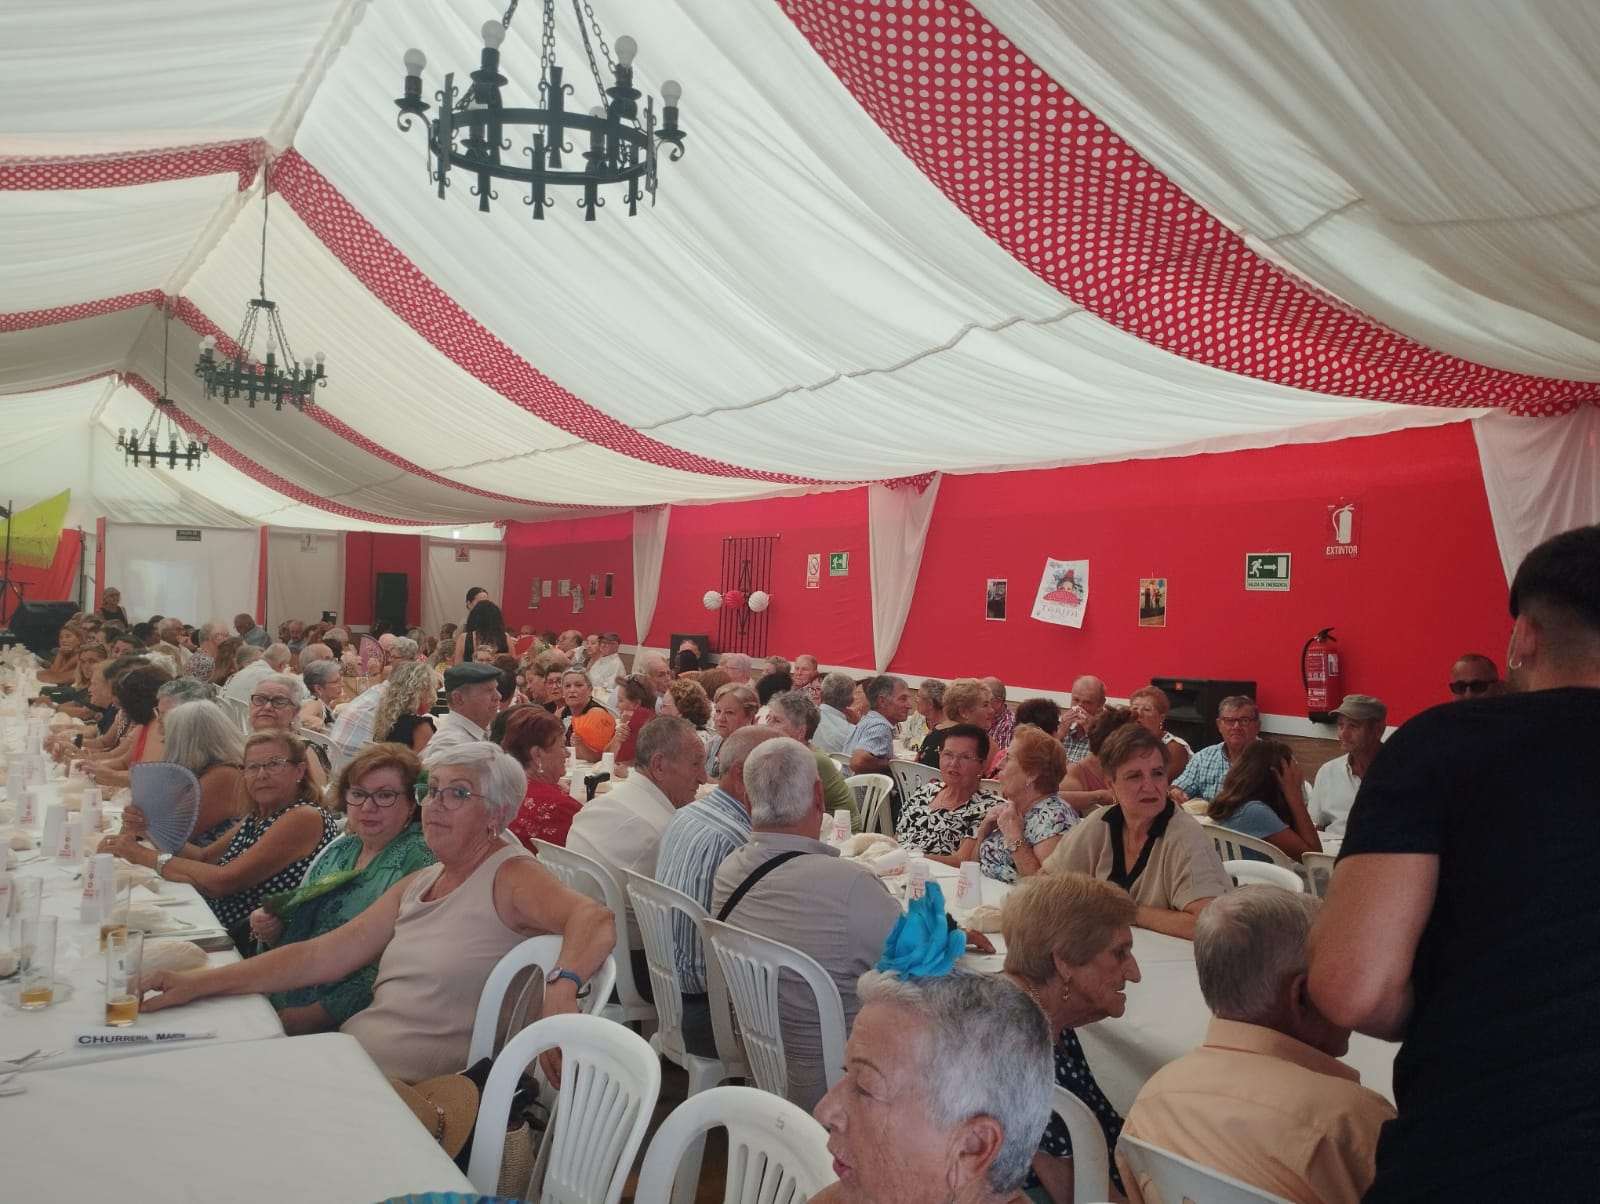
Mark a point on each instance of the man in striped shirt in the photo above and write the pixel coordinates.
(693, 847)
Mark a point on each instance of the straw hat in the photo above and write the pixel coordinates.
(446, 1105)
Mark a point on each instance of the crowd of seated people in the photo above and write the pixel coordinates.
(453, 753)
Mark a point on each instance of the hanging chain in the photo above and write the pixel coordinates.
(505, 21)
(266, 202)
(547, 51)
(594, 67)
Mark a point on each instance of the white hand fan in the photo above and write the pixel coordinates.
(169, 796)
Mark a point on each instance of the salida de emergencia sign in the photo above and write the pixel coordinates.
(1267, 571)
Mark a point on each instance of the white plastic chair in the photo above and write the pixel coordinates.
(1259, 873)
(589, 877)
(777, 1154)
(842, 760)
(1319, 869)
(543, 952)
(659, 909)
(910, 776)
(872, 799)
(1179, 1180)
(610, 1079)
(1231, 846)
(240, 711)
(750, 966)
(1091, 1162)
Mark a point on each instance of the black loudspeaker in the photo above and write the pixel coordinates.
(1194, 705)
(37, 624)
(390, 599)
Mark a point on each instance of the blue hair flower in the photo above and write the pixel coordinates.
(924, 943)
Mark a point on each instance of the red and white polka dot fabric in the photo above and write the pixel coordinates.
(24, 174)
(34, 318)
(1078, 207)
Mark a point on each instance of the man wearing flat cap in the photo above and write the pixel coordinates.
(1361, 720)
(474, 693)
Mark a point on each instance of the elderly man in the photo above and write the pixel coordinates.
(1004, 720)
(697, 841)
(786, 884)
(806, 678)
(296, 636)
(658, 672)
(1088, 700)
(1475, 676)
(315, 652)
(1361, 720)
(170, 631)
(250, 631)
(833, 725)
(737, 666)
(473, 691)
(253, 666)
(605, 668)
(207, 637)
(568, 643)
(1239, 722)
(871, 745)
(796, 716)
(1264, 1099)
(1460, 917)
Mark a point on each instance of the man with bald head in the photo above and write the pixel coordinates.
(807, 678)
(1475, 676)
(659, 674)
(1088, 700)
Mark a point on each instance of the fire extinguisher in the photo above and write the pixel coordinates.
(1319, 673)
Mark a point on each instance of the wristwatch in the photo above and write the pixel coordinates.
(161, 864)
(558, 974)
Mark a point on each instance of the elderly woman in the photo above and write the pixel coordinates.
(1070, 947)
(206, 741)
(1145, 843)
(539, 674)
(535, 738)
(111, 608)
(381, 845)
(1150, 705)
(437, 933)
(274, 707)
(1014, 839)
(687, 700)
(636, 699)
(136, 691)
(733, 707)
(402, 714)
(966, 701)
(326, 688)
(280, 828)
(927, 712)
(942, 817)
(946, 1089)
(63, 666)
(1264, 795)
(1085, 786)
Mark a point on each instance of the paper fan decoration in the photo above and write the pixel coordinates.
(733, 599)
(711, 600)
(760, 600)
(169, 796)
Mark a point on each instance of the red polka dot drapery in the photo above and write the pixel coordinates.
(34, 318)
(121, 170)
(1082, 210)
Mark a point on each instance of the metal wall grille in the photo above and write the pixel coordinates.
(746, 567)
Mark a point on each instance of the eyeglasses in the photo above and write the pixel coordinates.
(1462, 688)
(451, 798)
(1238, 720)
(276, 765)
(270, 700)
(958, 758)
(355, 797)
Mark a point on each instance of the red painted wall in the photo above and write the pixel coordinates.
(368, 553)
(832, 622)
(574, 549)
(1426, 586)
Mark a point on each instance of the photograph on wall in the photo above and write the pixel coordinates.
(610, 583)
(577, 601)
(1063, 593)
(1152, 601)
(594, 585)
(564, 586)
(547, 587)
(533, 595)
(994, 598)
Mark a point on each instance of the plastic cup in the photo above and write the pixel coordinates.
(969, 886)
(38, 954)
(917, 877)
(124, 952)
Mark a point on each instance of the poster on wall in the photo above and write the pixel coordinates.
(564, 586)
(1063, 593)
(547, 587)
(533, 595)
(594, 585)
(1152, 601)
(463, 555)
(610, 583)
(994, 598)
(577, 601)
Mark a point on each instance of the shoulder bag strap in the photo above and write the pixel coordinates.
(760, 872)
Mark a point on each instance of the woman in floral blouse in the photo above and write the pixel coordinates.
(944, 815)
(1016, 837)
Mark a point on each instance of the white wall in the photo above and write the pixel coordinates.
(305, 574)
(446, 580)
(215, 578)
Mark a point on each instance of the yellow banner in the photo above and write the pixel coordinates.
(36, 531)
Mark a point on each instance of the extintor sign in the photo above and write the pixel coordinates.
(1343, 532)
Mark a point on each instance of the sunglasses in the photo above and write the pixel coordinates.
(1462, 688)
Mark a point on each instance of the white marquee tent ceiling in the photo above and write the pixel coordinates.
(907, 237)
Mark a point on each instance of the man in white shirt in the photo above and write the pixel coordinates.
(474, 693)
(604, 669)
(1361, 719)
(274, 660)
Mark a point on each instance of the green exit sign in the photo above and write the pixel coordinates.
(1267, 571)
(838, 564)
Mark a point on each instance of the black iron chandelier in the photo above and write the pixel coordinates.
(161, 440)
(277, 379)
(622, 144)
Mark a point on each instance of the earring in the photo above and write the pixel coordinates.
(1066, 990)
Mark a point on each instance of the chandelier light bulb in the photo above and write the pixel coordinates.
(415, 61)
(209, 343)
(494, 33)
(671, 90)
(320, 358)
(626, 49)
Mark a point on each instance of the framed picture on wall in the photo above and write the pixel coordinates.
(577, 601)
(547, 587)
(1152, 601)
(533, 595)
(994, 598)
(564, 586)
(610, 581)
(594, 585)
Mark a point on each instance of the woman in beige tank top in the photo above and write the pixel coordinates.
(433, 933)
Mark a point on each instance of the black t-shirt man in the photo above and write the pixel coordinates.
(1498, 1077)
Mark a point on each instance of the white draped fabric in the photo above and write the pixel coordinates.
(446, 579)
(305, 574)
(649, 551)
(1561, 456)
(897, 528)
(214, 577)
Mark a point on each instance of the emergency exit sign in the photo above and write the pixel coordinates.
(1267, 571)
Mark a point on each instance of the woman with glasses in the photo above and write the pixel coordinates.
(382, 843)
(945, 814)
(274, 703)
(436, 934)
(280, 829)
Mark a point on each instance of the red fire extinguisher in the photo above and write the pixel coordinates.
(1319, 673)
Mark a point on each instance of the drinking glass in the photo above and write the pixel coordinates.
(116, 921)
(124, 953)
(38, 954)
(28, 897)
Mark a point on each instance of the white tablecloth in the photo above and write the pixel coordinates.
(304, 1118)
(80, 964)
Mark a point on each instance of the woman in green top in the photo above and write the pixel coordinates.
(381, 845)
